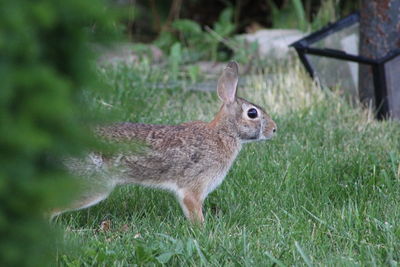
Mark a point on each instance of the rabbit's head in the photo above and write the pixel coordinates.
(250, 121)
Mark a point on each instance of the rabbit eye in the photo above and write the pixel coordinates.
(252, 113)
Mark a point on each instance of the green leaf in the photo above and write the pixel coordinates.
(188, 27)
(175, 59)
(165, 257)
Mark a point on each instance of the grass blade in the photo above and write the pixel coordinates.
(275, 260)
(303, 254)
(201, 255)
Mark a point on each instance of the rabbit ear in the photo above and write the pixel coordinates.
(227, 83)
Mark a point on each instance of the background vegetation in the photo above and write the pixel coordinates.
(205, 28)
(146, 19)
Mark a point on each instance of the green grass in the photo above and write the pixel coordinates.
(325, 191)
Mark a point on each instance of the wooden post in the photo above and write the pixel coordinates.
(379, 34)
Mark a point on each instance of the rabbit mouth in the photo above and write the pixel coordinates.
(263, 137)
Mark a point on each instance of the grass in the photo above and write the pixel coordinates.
(325, 191)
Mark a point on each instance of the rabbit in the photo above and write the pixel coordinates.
(190, 160)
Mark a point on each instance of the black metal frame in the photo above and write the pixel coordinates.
(302, 47)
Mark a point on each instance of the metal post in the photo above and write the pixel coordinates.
(379, 34)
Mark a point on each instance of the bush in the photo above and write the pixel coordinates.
(44, 65)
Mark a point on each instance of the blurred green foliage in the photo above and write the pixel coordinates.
(293, 14)
(44, 65)
(198, 43)
(145, 20)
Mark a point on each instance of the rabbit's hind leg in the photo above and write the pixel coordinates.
(192, 206)
(86, 200)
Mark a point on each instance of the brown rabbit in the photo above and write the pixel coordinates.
(190, 159)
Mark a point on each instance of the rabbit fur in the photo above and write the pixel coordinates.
(190, 159)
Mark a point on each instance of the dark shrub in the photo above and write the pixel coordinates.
(44, 65)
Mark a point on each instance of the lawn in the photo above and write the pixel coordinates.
(324, 191)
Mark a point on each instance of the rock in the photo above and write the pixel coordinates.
(127, 53)
(273, 43)
(156, 54)
(117, 53)
(211, 67)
